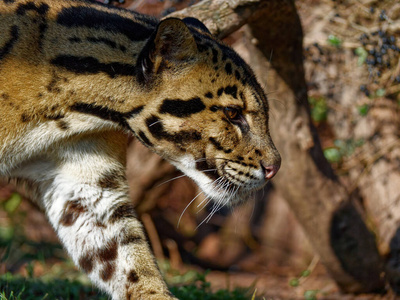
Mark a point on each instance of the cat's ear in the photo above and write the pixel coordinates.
(171, 47)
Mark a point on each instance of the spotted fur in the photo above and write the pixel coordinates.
(76, 78)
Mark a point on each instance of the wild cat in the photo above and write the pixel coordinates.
(78, 77)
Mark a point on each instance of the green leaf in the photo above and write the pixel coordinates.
(333, 155)
(362, 55)
(363, 109)
(334, 40)
(305, 273)
(6, 233)
(310, 295)
(380, 92)
(12, 203)
(294, 282)
(319, 108)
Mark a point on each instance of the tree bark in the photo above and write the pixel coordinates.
(377, 176)
(328, 214)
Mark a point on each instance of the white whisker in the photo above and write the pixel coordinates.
(209, 170)
(206, 219)
(187, 206)
(155, 123)
(169, 180)
(206, 201)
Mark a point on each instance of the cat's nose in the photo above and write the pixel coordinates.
(269, 170)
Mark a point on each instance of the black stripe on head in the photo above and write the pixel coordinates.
(42, 29)
(41, 10)
(214, 56)
(90, 65)
(105, 41)
(106, 113)
(108, 42)
(75, 40)
(92, 18)
(228, 68)
(218, 145)
(10, 43)
(182, 108)
(156, 128)
(102, 112)
(133, 112)
(184, 136)
(231, 90)
(23, 8)
(145, 140)
(209, 95)
(215, 108)
(237, 75)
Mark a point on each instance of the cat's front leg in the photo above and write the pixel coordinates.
(87, 203)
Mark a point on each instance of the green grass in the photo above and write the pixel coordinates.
(200, 289)
(15, 287)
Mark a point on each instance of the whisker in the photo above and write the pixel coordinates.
(208, 217)
(203, 204)
(187, 206)
(220, 182)
(169, 180)
(220, 178)
(225, 191)
(213, 158)
(221, 203)
(216, 208)
(200, 159)
(155, 123)
(207, 200)
(209, 170)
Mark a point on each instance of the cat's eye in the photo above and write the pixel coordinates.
(233, 113)
(235, 116)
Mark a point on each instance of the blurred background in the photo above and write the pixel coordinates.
(351, 52)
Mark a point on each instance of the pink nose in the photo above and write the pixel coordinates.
(269, 170)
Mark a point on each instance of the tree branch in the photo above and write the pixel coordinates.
(224, 17)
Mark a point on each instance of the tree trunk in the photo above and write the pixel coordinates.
(327, 212)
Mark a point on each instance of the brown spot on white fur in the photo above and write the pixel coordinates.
(72, 210)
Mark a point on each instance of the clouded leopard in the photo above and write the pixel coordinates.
(76, 78)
